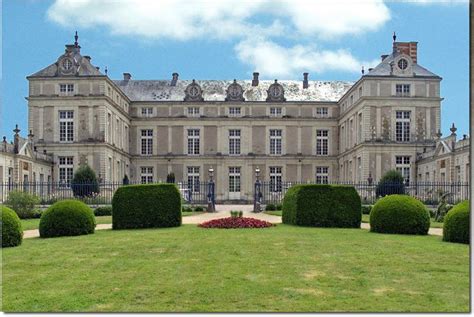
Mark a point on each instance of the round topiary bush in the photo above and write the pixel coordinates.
(67, 218)
(12, 233)
(456, 223)
(399, 214)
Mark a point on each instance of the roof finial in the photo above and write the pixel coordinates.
(453, 129)
(76, 37)
(106, 70)
(362, 70)
(394, 36)
(16, 130)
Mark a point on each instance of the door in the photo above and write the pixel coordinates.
(234, 183)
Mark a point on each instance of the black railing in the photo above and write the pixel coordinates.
(94, 194)
(429, 193)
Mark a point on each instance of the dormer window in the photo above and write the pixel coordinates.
(402, 63)
(67, 64)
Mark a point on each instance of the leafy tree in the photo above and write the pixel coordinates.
(84, 183)
(390, 184)
(23, 203)
(170, 178)
(125, 180)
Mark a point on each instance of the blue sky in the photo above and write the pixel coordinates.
(218, 40)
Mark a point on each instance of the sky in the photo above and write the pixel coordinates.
(224, 39)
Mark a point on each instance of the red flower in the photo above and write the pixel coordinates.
(236, 222)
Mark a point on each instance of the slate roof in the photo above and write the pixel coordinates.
(383, 69)
(215, 90)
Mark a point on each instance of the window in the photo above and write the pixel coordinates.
(193, 141)
(66, 126)
(402, 126)
(193, 179)
(458, 173)
(193, 111)
(402, 90)
(322, 175)
(402, 63)
(234, 111)
(275, 112)
(147, 142)
(321, 112)
(234, 142)
(67, 64)
(146, 175)
(275, 142)
(147, 112)
(402, 164)
(234, 179)
(359, 128)
(322, 142)
(66, 89)
(275, 178)
(66, 169)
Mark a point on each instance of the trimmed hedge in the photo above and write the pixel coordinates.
(67, 218)
(103, 211)
(399, 214)
(322, 206)
(366, 209)
(456, 223)
(12, 232)
(146, 206)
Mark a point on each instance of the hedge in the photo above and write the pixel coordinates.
(146, 206)
(12, 233)
(322, 206)
(67, 218)
(456, 223)
(103, 211)
(399, 214)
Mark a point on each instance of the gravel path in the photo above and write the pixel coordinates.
(222, 212)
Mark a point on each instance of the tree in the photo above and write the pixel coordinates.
(84, 183)
(391, 183)
(125, 180)
(170, 178)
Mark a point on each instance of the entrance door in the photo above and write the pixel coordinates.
(234, 183)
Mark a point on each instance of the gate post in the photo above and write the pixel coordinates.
(257, 192)
(211, 201)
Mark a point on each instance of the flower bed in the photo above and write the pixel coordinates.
(236, 222)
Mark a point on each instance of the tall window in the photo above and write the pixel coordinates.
(321, 112)
(275, 178)
(193, 141)
(275, 142)
(402, 90)
(402, 164)
(322, 174)
(234, 111)
(146, 174)
(402, 126)
(193, 111)
(275, 112)
(193, 179)
(234, 179)
(66, 169)
(66, 89)
(234, 142)
(147, 142)
(322, 142)
(359, 128)
(66, 126)
(147, 112)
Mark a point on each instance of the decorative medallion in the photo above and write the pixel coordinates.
(235, 92)
(193, 92)
(275, 92)
(67, 65)
(402, 64)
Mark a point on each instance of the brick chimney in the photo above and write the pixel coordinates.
(127, 76)
(408, 48)
(174, 80)
(305, 80)
(255, 79)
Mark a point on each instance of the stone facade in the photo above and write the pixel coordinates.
(298, 131)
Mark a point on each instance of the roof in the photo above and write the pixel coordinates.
(215, 90)
(384, 69)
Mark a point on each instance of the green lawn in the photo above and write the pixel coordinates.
(30, 224)
(273, 212)
(283, 268)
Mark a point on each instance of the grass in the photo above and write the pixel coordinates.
(273, 212)
(31, 224)
(190, 269)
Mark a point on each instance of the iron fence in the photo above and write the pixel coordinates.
(94, 193)
(429, 193)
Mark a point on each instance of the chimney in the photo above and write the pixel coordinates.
(16, 140)
(408, 48)
(384, 56)
(255, 79)
(127, 76)
(174, 80)
(87, 57)
(305, 80)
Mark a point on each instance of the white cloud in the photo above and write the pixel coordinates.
(436, 2)
(273, 60)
